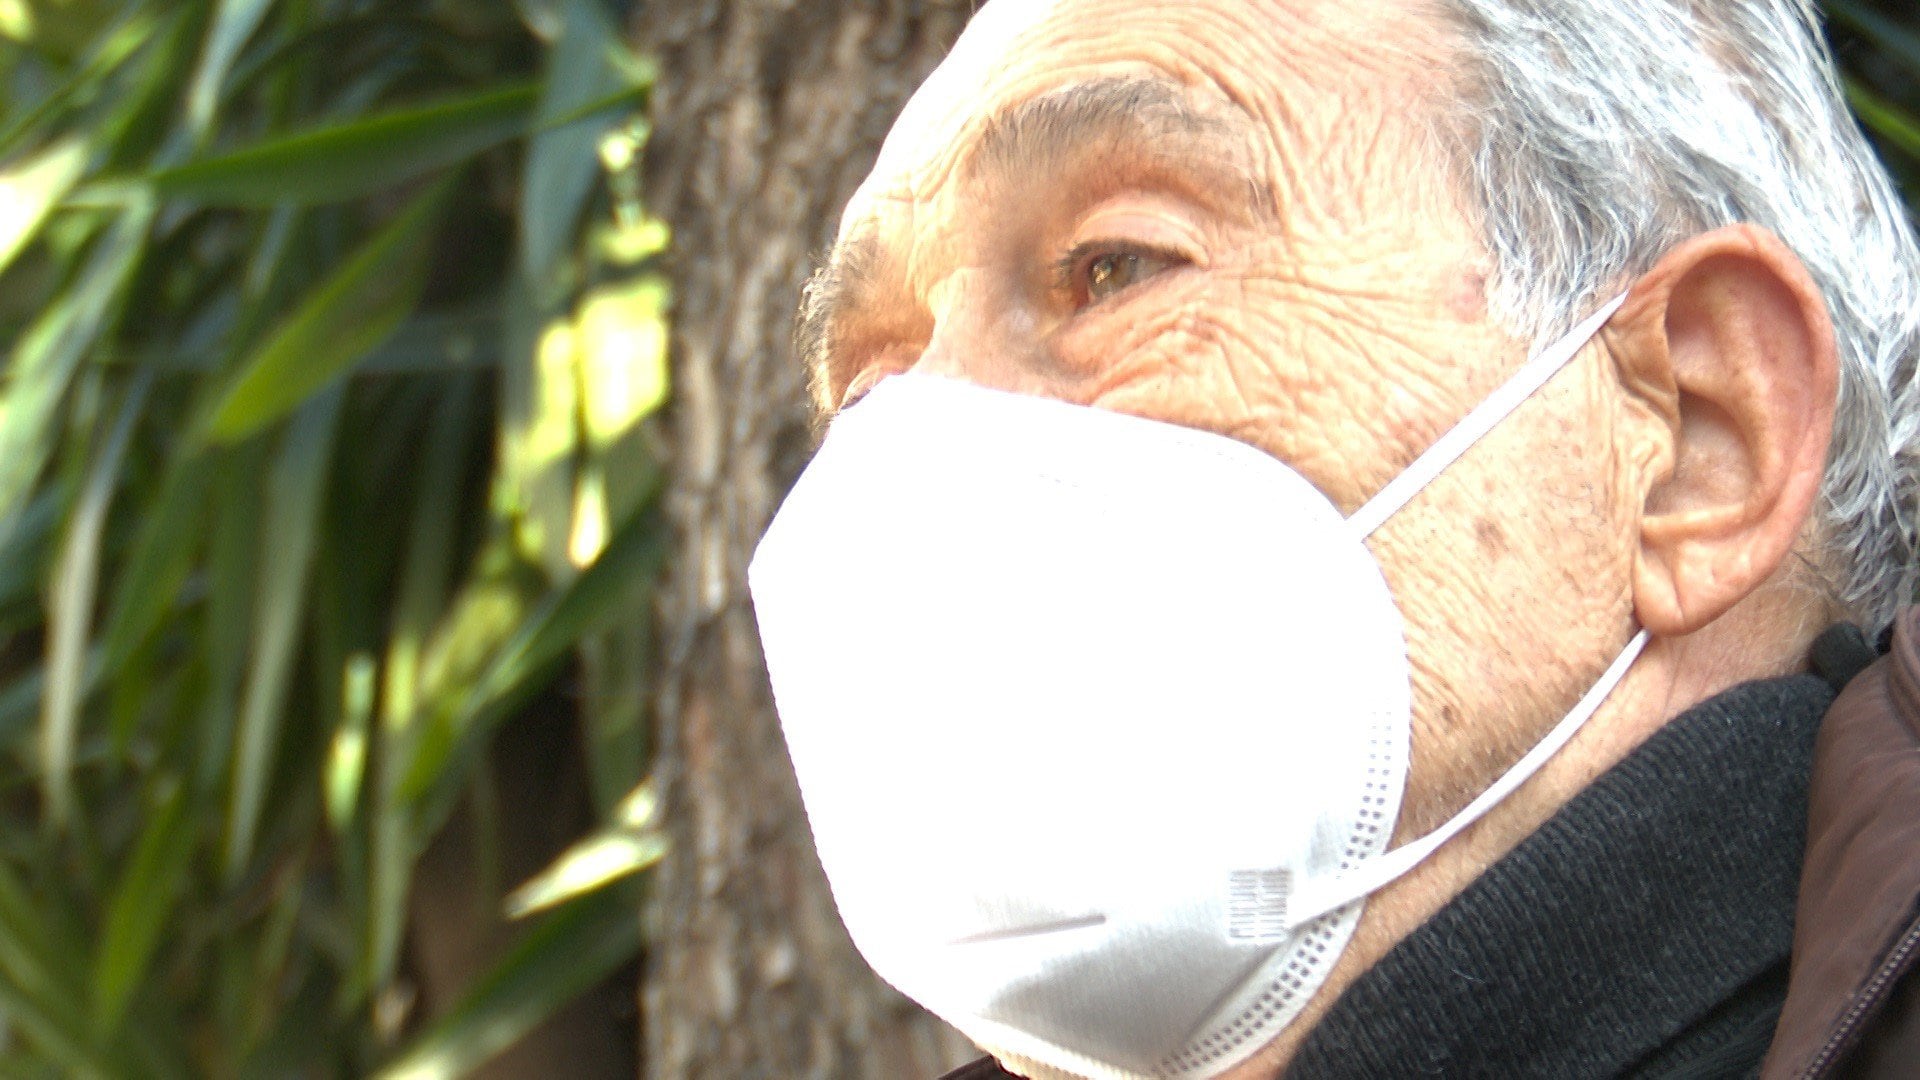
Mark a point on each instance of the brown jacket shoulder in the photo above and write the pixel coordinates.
(1853, 997)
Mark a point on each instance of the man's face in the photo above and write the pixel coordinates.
(1249, 217)
(1232, 215)
(1237, 215)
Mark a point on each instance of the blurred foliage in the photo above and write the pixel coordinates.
(1878, 45)
(331, 327)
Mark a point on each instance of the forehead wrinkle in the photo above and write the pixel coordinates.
(1039, 131)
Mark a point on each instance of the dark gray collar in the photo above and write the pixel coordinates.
(1643, 931)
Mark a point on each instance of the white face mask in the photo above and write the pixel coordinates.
(1101, 723)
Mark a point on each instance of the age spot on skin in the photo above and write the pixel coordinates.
(1467, 300)
(1493, 541)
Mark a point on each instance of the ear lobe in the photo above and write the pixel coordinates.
(1728, 340)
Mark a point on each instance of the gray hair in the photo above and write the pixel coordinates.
(1599, 133)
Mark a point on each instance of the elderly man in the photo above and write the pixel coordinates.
(1319, 560)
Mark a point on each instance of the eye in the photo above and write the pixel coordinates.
(1094, 272)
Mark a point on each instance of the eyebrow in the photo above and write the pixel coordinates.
(845, 275)
(1041, 131)
(1036, 135)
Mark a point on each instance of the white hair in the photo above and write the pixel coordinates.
(1599, 133)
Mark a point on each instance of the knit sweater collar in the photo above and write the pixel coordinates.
(1644, 930)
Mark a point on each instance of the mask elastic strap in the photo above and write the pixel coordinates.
(1309, 902)
(1444, 452)
(1316, 898)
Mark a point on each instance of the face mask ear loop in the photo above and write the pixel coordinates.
(1314, 899)
(1444, 452)
(1309, 903)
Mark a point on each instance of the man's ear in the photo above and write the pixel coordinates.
(1728, 341)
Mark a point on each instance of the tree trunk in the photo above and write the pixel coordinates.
(767, 113)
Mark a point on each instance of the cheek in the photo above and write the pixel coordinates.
(1193, 362)
(1291, 374)
(1513, 575)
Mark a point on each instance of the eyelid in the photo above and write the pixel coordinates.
(1147, 224)
(1144, 224)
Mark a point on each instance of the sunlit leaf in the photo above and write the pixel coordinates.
(638, 808)
(86, 82)
(622, 357)
(585, 606)
(233, 23)
(16, 20)
(422, 599)
(61, 29)
(588, 865)
(561, 166)
(566, 953)
(43, 363)
(31, 188)
(137, 123)
(539, 433)
(70, 613)
(424, 576)
(295, 491)
(591, 517)
(630, 243)
(346, 764)
(354, 157)
(629, 561)
(628, 844)
(347, 316)
(622, 353)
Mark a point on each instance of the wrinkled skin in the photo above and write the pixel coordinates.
(1310, 281)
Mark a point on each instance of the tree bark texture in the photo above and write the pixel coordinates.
(767, 114)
